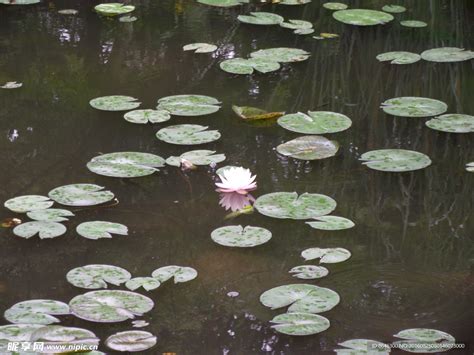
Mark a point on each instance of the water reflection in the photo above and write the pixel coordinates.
(234, 201)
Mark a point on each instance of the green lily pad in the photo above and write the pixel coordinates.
(196, 157)
(399, 57)
(36, 312)
(223, 3)
(412, 338)
(148, 283)
(80, 195)
(247, 66)
(363, 346)
(299, 323)
(261, 18)
(187, 134)
(309, 272)
(290, 205)
(294, 2)
(237, 236)
(56, 337)
(50, 215)
(326, 255)
(395, 160)
(16, 332)
(447, 54)
(189, 105)
(126, 164)
(200, 47)
(131, 341)
(100, 229)
(113, 9)
(281, 54)
(27, 203)
(413, 24)
(331, 223)
(301, 298)
(96, 276)
(114, 103)
(110, 306)
(127, 18)
(394, 9)
(309, 148)
(414, 107)
(20, 2)
(45, 229)
(11, 84)
(145, 116)
(299, 26)
(68, 12)
(452, 123)
(315, 122)
(362, 17)
(470, 167)
(178, 273)
(335, 6)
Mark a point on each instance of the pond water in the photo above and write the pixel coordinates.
(412, 259)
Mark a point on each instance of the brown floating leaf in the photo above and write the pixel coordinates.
(10, 222)
(252, 113)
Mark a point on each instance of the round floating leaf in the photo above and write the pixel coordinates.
(126, 164)
(309, 148)
(19, 2)
(187, 134)
(394, 9)
(470, 167)
(237, 236)
(362, 17)
(178, 273)
(80, 195)
(414, 107)
(11, 84)
(247, 66)
(45, 229)
(315, 122)
(131, 341)
(97, 276)
(326, 255)
(447, 54)
(395, 160)
(223, 3)
(413, 337)
(300, 323)
(113, 9)
(127, 18)
(413, 23)
(299, 26)
(294, 2)
(56, 336)
(452, 123)
(281, 54)
(36, 312)
(363, 346)
(399, 57)
(145, 116)
(309, 272)
(148, 283)
(189, 105)
(331, 223)
(68, 12)
(114, 103)
(301, 298)
(109, 306)
(16, 332)
(27, 203)
(290, 205)
(50, 215)
(100, 229)
(197, 157)
(200, 47)
(261, 18)
(334, 6)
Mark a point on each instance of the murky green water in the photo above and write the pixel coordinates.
(412, 247)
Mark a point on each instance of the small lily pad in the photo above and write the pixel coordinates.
(45, 229)
(362, 17)
(11, 84)
(114, 103)
(126, 164)
(261, 18)
(298, 323)
(148, 283)
(68, 12)
(36, 312)
(413, 337)
(19, 2)
(331, 223)
(127, 18)
(96, 276)
(447, 55)
(309, 148)
(253, 113)
(363, 346)
(57, 337)
(50, 215)
(410, 106)
(315, 122)
(413, 24)
(247, 66)
(294, 2)
(187, 134)
(335, 6)
(299, 26)
(189, 105)
(80, 195)
(470, 167)
(395, 160)
(178, 273)
(399, 57)
(222, 3)
(309, 272)
(131, 341)
(237, 236)
(196, 157)
(100, 229)
(27, 203)
(452, 123)
(326, 255)
(281, 54)
(394, 9)
(200, 47)
(145, 116)
(16, 332)
(113, 9)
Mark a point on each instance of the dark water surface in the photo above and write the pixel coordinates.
(413, 251)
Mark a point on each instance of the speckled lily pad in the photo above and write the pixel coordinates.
(309, 272)
(281, 54)
(238, 236)
(299, 323)
(50, 215)
(410, 106)
(38, 311)
(331, 223)
(26, 203)
(399, 57)
(452, 123)
(362, 17)
(189, 105)
(363, 346)
(309, 148)
(96, 276)
(80, 195)
(326, 255)
(178, 273)
(100, 229)
(315, 122)
(114, 103)
(187, 134)
(261, 18)
(126, 164)
(145, 116)
(44, 229)
(447, 55)
(247, 66)
(131, 341)
(196, 157)
(395, 160)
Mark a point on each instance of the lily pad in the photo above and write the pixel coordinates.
(131, 341)
(126, 164)
(335, 6)
(412, 338)
(294, 2)
(315, 122)
(331, 223)
(80, 195)
(414, 107)
(200, 47)
(114, 103)
(281, 54)
(50, 215)
(309, 272)
(148, 283)
(452, 123)
(247, 66)
(399, 57)
(326, 255)
(110, 306)
(27, 203)
(470, 167)
(253, 113)
(223, 3)
(447, 55)
(261, 18)
(362, 17)
(363, 346)
(178, 273)
(96, 276)
(299, 323)
(189, 105)
(36, 312)
(145, 116)
(237, 236)
(301, 298)
(56, 337)
(16, 332)
(394, 9)
(290, 205)
(68, 12)
(413, 24)
(127, 18)
(309, 148)
(11, 84)
(113, 9)
(299, 26)
(196, 157)
(187, 134)
(395, 160)
(100, 229)
(19, 2)
(45, 229)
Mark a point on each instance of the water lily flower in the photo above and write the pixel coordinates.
(236, 179)
(234, 201)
